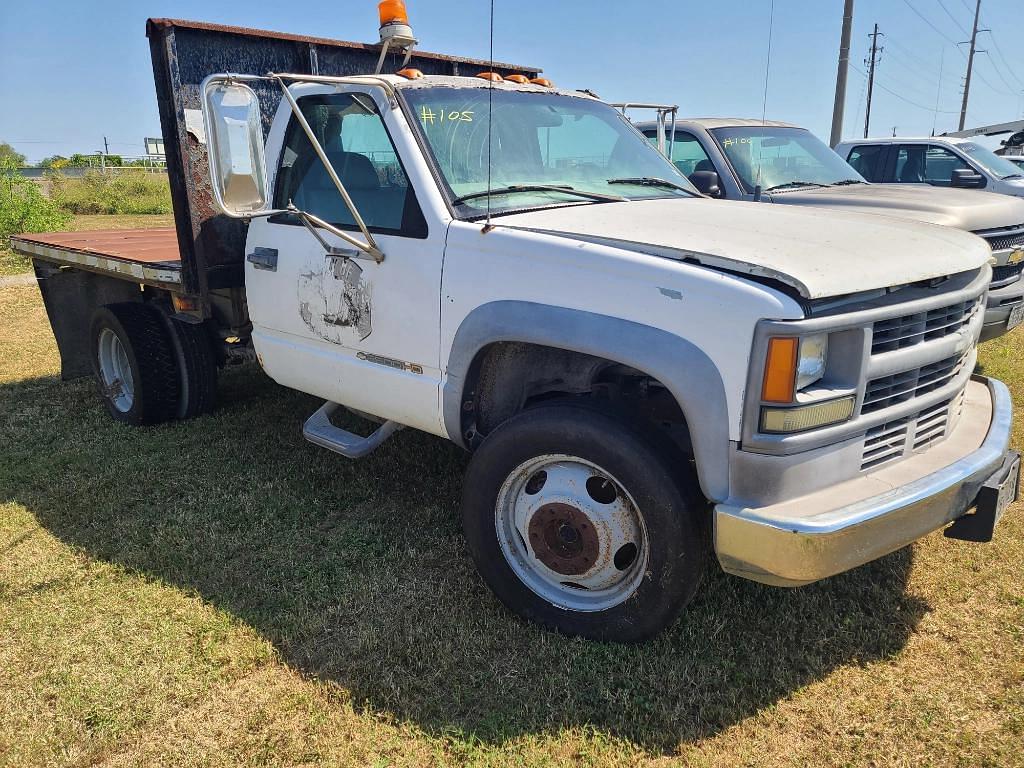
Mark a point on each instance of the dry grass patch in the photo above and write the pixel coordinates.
(219, 593)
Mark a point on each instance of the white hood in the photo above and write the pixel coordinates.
(819, 253)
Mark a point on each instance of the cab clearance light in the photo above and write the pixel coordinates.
(542, 81)
(786, 420)
(521, 79)
(411, 73)
(780, 370)
(494, 77)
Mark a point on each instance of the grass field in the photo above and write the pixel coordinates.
(14, 264)
(220, 592)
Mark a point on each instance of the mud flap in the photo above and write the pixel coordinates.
(998, 493)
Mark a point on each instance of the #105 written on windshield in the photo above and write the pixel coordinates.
(429, 117)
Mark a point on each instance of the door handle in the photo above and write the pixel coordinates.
(263, 258)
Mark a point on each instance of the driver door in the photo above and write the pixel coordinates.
(339, 325)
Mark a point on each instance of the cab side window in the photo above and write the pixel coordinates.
(353, 135)
(687, 153)
(869, 161)
(926, 164)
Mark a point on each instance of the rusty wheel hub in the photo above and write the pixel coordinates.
(564, 539)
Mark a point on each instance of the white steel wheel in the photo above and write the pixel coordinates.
(571, 533)
(115, 371)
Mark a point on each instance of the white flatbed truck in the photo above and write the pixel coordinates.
(645, 376)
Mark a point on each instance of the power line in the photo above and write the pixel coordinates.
(956, 23)
(903, 98)
(927, 21)
(998, 72)
(999, 51)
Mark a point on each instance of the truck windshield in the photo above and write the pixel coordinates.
(545, 149)
(778, 157)
(997, 166)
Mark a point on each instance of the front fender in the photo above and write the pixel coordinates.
(687, 372)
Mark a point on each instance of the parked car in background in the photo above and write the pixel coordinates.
(941, 161)
(742, 159)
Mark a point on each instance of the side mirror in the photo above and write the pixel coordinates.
(966, 178)
(707, 182)
(234, 134)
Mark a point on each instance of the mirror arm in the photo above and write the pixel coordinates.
(370, 246)
(311, 222)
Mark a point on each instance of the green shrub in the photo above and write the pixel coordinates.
(23, 208)
(130, 191)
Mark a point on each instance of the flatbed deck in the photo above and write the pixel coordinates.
(149, 256)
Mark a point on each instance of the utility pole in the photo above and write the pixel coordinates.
(844, 62)
(970, 63)
(875, 50)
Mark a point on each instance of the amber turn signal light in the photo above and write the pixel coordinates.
(410, 73)
(780, 370)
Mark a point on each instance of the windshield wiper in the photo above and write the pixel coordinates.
(795, 184)
(846, 182)
(513, 188)
(650, 181)
(1012, 176)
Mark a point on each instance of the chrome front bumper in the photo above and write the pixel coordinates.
(832, 530)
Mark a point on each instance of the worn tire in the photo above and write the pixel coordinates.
(149, 351)
(651, 471)
(197, 368)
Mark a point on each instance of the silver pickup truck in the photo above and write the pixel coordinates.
(742, 159)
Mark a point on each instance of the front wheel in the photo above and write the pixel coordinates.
(585, 522)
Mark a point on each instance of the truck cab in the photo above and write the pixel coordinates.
(645, 377)
(938, 161)
(776, 162)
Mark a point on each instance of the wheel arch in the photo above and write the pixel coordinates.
(683, 368)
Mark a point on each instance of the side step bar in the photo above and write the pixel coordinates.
(319, 430)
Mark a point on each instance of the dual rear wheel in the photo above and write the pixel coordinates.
(150, 368)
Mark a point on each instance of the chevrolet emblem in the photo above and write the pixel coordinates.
(1016, 257)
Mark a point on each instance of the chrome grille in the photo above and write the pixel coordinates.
(895, 439)
(1001, 242)
(886, 391)
(910, 330)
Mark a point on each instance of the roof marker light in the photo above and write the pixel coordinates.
(521, 79)
(542, 81)
(494, 77)
(410, 73)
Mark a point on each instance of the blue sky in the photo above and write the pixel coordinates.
(72, 71)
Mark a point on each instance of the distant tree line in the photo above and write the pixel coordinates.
(11, 156)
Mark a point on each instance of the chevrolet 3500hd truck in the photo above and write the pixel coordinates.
(643, 374)
(730, 157)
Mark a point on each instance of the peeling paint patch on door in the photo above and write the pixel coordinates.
(335, 298)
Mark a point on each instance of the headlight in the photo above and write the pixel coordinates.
(810, 366)
(793, 364)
